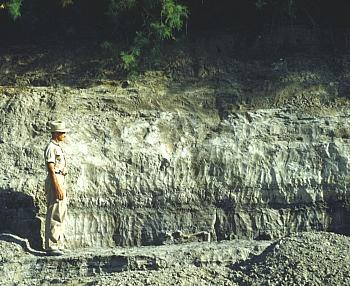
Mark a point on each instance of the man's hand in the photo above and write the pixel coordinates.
(59, 193)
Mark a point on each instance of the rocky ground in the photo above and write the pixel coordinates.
(301, 259)
(311, 258)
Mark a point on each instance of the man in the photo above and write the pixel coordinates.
(56, 196)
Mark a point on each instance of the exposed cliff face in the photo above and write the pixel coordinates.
(219, 156)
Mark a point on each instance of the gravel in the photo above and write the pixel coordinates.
(310, 258)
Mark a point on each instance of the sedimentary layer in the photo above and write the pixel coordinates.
(166, 166)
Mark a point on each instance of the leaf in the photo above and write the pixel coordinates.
(14, 8)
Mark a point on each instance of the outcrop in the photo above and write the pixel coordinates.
(247, 149)
(204, 150)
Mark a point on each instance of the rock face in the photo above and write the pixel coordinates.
(157, 162)
(136, 178)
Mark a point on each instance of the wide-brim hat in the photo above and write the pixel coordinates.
(58, 126)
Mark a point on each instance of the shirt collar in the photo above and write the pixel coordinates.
(55, 142)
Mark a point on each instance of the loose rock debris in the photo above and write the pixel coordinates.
(310, 258)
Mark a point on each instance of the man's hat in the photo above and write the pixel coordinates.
(58, 126)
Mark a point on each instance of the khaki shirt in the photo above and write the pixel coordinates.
(54, 154)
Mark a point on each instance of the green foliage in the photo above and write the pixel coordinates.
(115, 7)
(14, 8)
(154, 21)
(130, 58)
(129, 61)
(172, 14)
(171, 20)
(162, 18)
(140, 26)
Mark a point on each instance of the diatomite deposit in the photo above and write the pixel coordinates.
(208, 168)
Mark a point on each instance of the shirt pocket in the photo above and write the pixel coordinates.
(59, 156)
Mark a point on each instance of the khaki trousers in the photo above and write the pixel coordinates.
(55, 215)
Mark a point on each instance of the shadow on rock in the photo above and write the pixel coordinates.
(24, 243)
(18, 216)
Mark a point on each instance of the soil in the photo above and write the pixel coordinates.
(316, 83)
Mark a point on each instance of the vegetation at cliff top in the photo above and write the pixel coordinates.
(145, 24)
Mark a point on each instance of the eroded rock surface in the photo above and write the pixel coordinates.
(137, 175)
(312, 258)
(24, 267)
(207, 149)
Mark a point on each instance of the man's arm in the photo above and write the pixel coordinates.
(56, 185)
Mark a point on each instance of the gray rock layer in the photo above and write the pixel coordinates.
(19, 266)
(169, 167)
(312, 258)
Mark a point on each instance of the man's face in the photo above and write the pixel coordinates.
(60, 136)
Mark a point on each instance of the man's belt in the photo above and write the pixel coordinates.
(60, 173)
